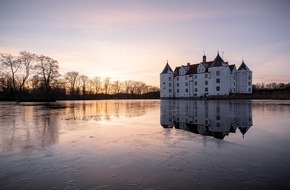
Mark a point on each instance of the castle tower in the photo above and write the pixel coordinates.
(166, 82)
(244, 79)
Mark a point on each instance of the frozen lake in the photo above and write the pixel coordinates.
(145, 144)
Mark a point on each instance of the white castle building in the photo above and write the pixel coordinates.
(207, 78)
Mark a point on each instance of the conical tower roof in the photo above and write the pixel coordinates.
(243, 66)
(217, 62)
(167, 69)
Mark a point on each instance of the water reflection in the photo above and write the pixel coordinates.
(30, 126)
(215, 118)
(27, 127)
(107, 110)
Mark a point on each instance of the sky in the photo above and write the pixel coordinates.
(133, 39)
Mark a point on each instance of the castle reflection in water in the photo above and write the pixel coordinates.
(216, 118)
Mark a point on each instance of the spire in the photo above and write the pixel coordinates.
(167, 69)
(218, 61)
(243, 66)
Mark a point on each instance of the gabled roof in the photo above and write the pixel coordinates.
(167, 69)
(192, 69)
(243, 66)
(176, 70)
(217, 62)
(232, 67)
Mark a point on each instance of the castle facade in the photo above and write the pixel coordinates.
(207, 78)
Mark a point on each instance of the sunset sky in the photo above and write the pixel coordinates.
(133, 39)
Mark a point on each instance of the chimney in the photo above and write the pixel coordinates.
(203, 58)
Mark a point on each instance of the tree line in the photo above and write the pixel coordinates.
(32, 77)
(270, 87)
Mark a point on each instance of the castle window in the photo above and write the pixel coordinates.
(170, 78)
(195, 83)
(205, 75)
(249, 90)
(249, 77)
(195, 89)
(177, 90)
(186, 90)
(249, 83)
(177, 78)
(186, 77)
(206, 89)
(169, 90)
(195, 76)
(206, 82)
(218, 73)
(218, 80)
(186, 84)
(177, 84)
(169, 84)
(217, 88)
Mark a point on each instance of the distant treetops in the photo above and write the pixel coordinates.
(31, 75)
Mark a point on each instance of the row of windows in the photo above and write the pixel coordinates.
(196, 90)
(206, 90)
(195, 83)
(205, 76)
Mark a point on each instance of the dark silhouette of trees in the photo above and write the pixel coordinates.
(84, 82)
(47, 69)
(71, 78)
(97, 81)
(107, 83)
(12, 64)
(262, 87)
(32, 77)
(27, 61)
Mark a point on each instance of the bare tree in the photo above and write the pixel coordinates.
(140, 87)
(84, 80)
(26, 59)
(12, 63)
(48, 70)
(128, 85)
(98, 84)
(4, 82)
(116, 87)
(35, 83)
(71, 78)
(107, 82)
